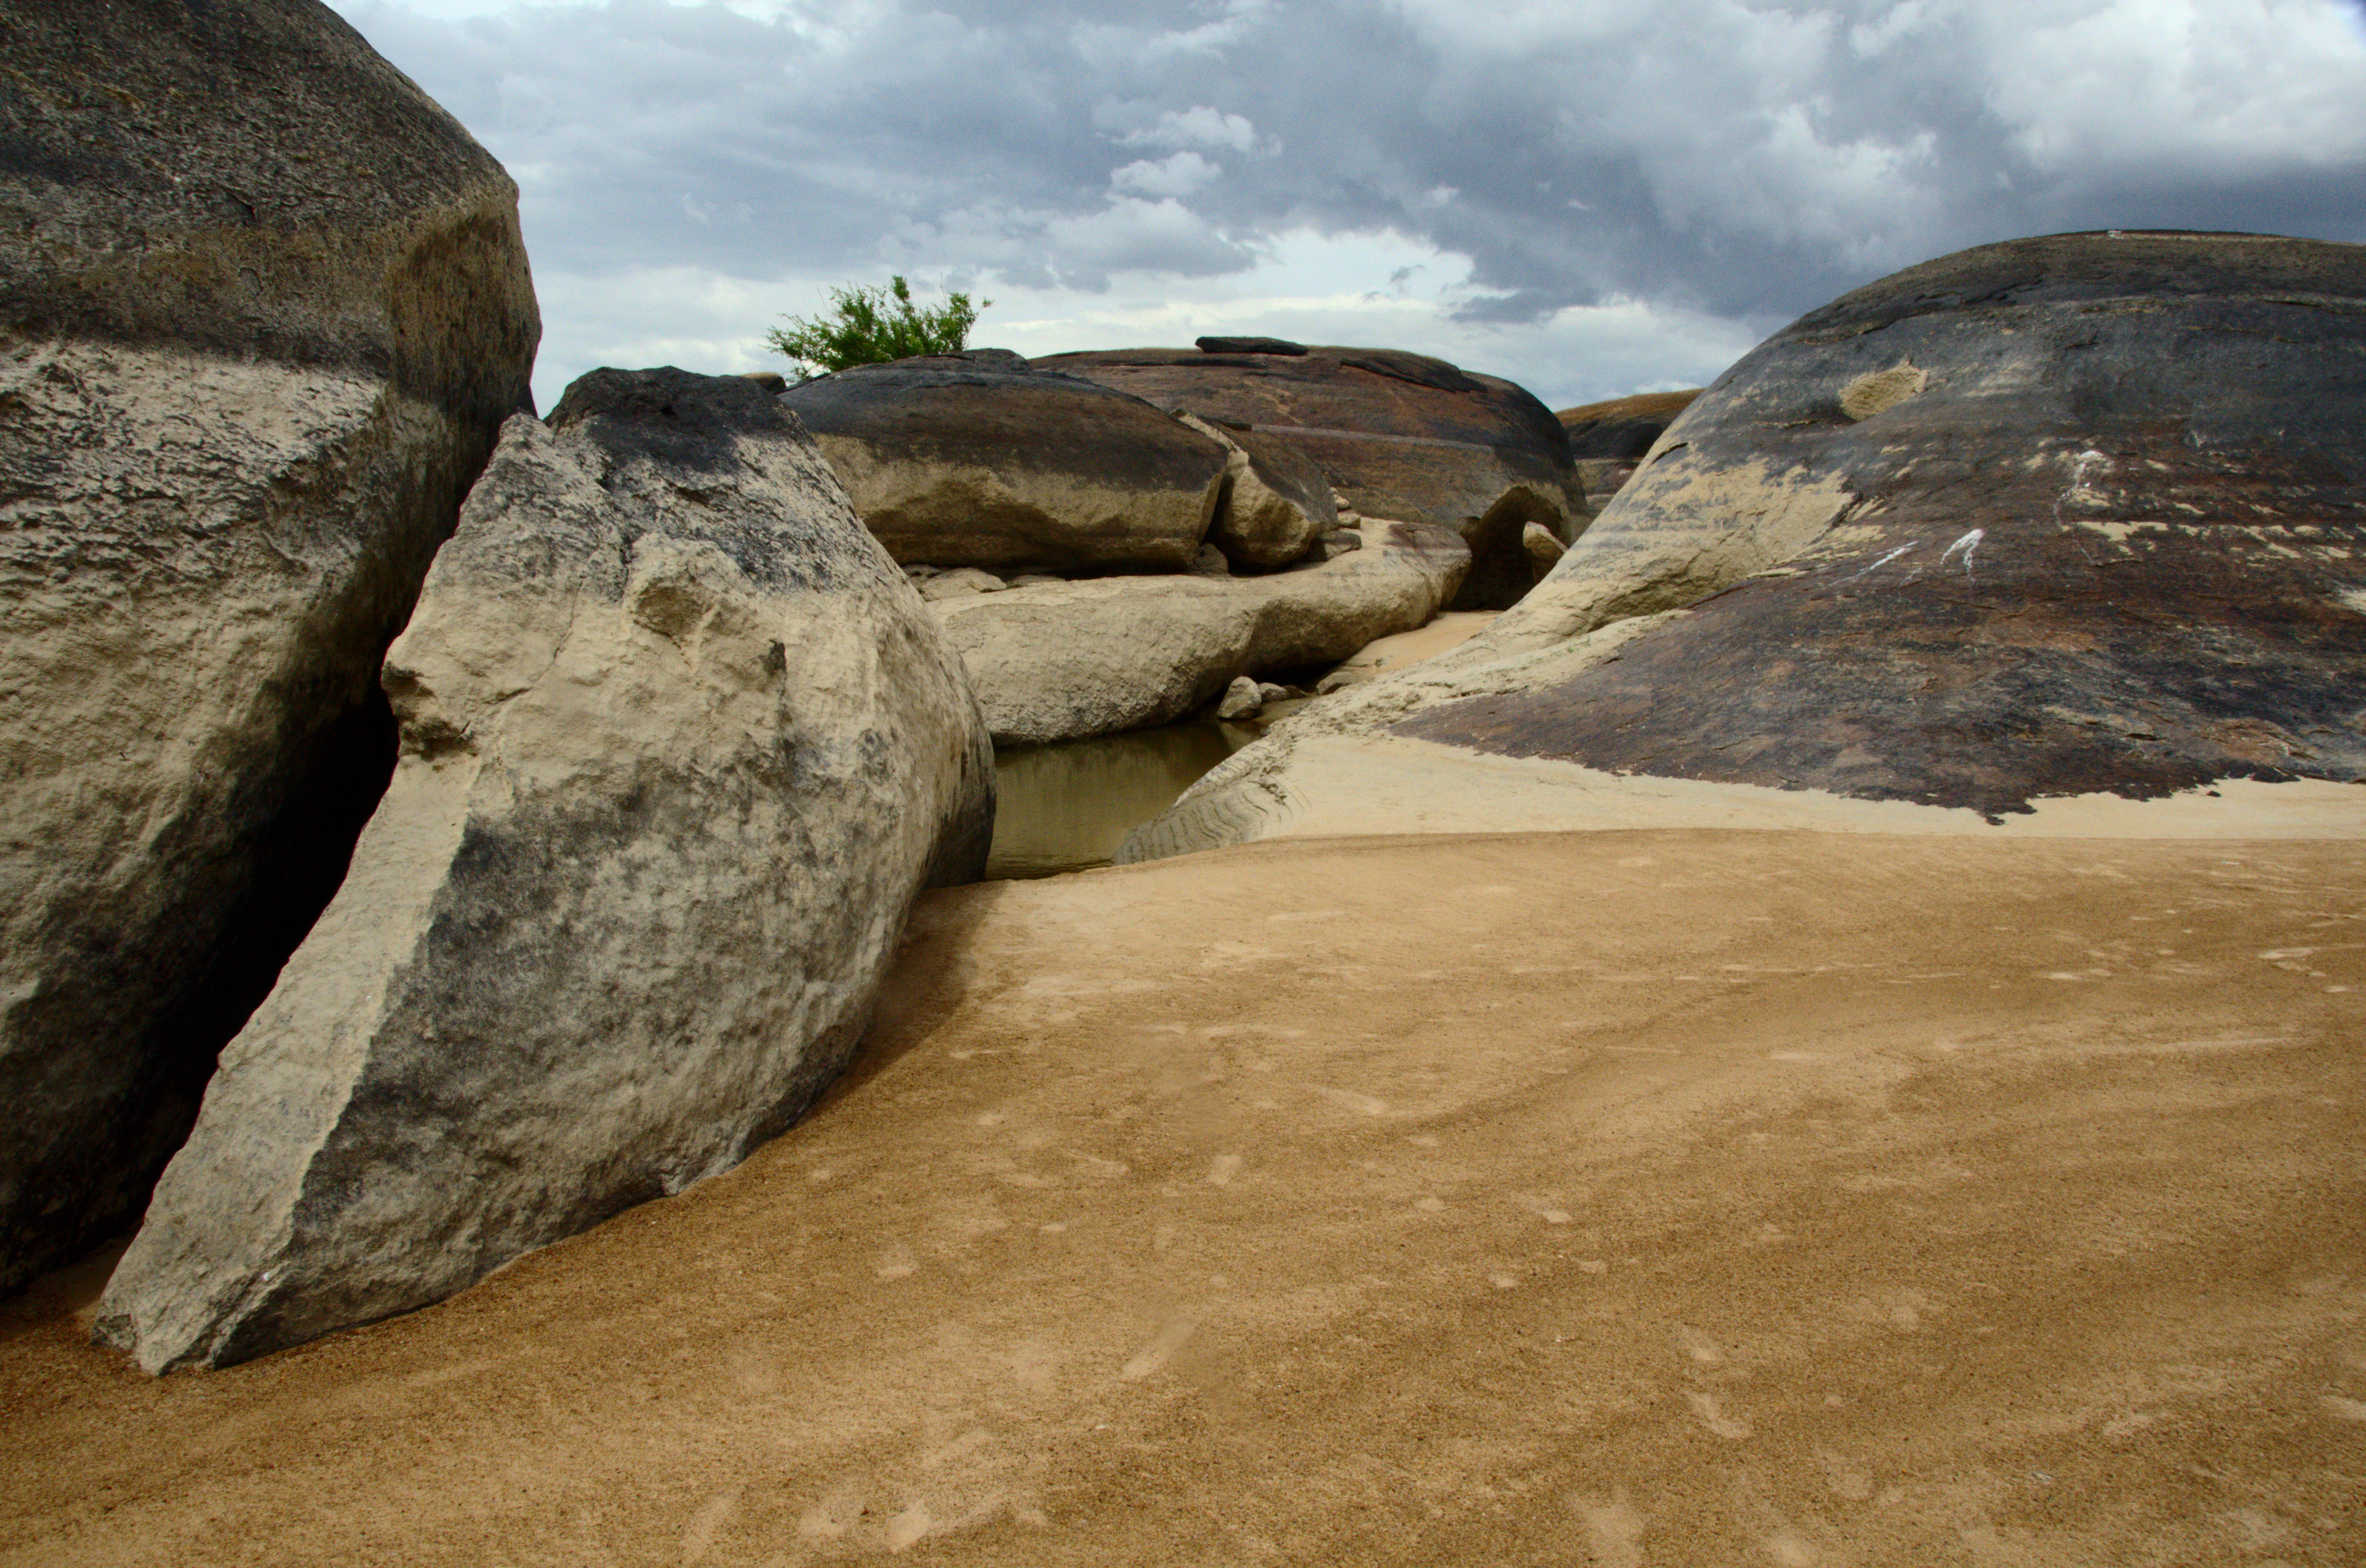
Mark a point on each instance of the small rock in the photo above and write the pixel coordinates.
(1337, 543)
(1241, 699)
(1210, 562)
(1033, 580)
(921, 573)
(1337, 680)
(959, 581)
(1541, 546)
(1273, 691)
(772, 381)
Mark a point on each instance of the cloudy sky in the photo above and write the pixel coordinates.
(1591, 196)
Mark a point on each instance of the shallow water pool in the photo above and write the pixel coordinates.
(1068, 806)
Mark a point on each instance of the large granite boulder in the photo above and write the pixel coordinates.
(2082, 515)
(1057, 662)
(263, 309)
(976, 459)
(1399, 435)
(1609, 440)
(680, 746)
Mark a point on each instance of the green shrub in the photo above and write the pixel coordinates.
(871, 326)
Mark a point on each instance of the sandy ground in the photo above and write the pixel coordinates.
(1654, 1197)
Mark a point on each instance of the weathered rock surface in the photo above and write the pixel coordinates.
(2077, 515)
(1277, 504)
(1089, 658)
(976, 459)
(1608, 440)
(679, 745)
(1399, 436)
(263, 309)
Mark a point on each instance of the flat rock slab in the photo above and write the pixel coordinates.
(680, 745)
(1843, 1204)
(1399, 435)
(977, 460)
(1062, 661)
(263, 309)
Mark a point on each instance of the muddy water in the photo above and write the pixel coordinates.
(1067, 806)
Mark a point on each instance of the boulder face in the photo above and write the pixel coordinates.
(1608, 440)
(263, 309)
(1089, 658)
(1277, 505)
(2072, 514)
(976, 459)
(1398, 435)
(680, 746)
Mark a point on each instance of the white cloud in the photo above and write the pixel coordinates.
(1177, 176)
(1572, 188)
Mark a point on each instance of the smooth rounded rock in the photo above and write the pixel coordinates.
(262, 309)
(2077, 516)
(976, 459)
(680, 746)
(1094, 657)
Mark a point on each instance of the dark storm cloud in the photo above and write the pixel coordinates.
(1745, 160)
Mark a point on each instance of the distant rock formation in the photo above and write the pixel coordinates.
(2077, 514)
(680, 746)
(1059, 662)
(1399, 436)
(263, 309)
(976, 459)
(1607, 439)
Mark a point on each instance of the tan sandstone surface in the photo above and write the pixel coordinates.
(1631, 1197)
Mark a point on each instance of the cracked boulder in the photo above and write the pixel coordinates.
(1399, 436)
(262, 309)
(680, 746)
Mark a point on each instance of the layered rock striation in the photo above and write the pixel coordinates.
(680, 746)
(263, 309)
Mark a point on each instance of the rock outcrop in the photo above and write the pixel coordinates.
(263, 309)
(679, 745)
(1277, 505)
(2078, 515)
(1609, 441)
(1399, 435)
(976, 459)
(1087, 658)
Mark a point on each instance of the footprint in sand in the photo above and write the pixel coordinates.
(1160, 1350)
(1698, 1346)
(1222, 1168)
(1613, 1530)
(1732, 1428)
(909, 1527)
(896, 1262)
(698, 1538)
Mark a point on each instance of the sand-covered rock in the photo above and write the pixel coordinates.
(976, 459)
(263, 309)
(1399, 435)
(680, 746)
(1089, 658)
(2069, 517)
